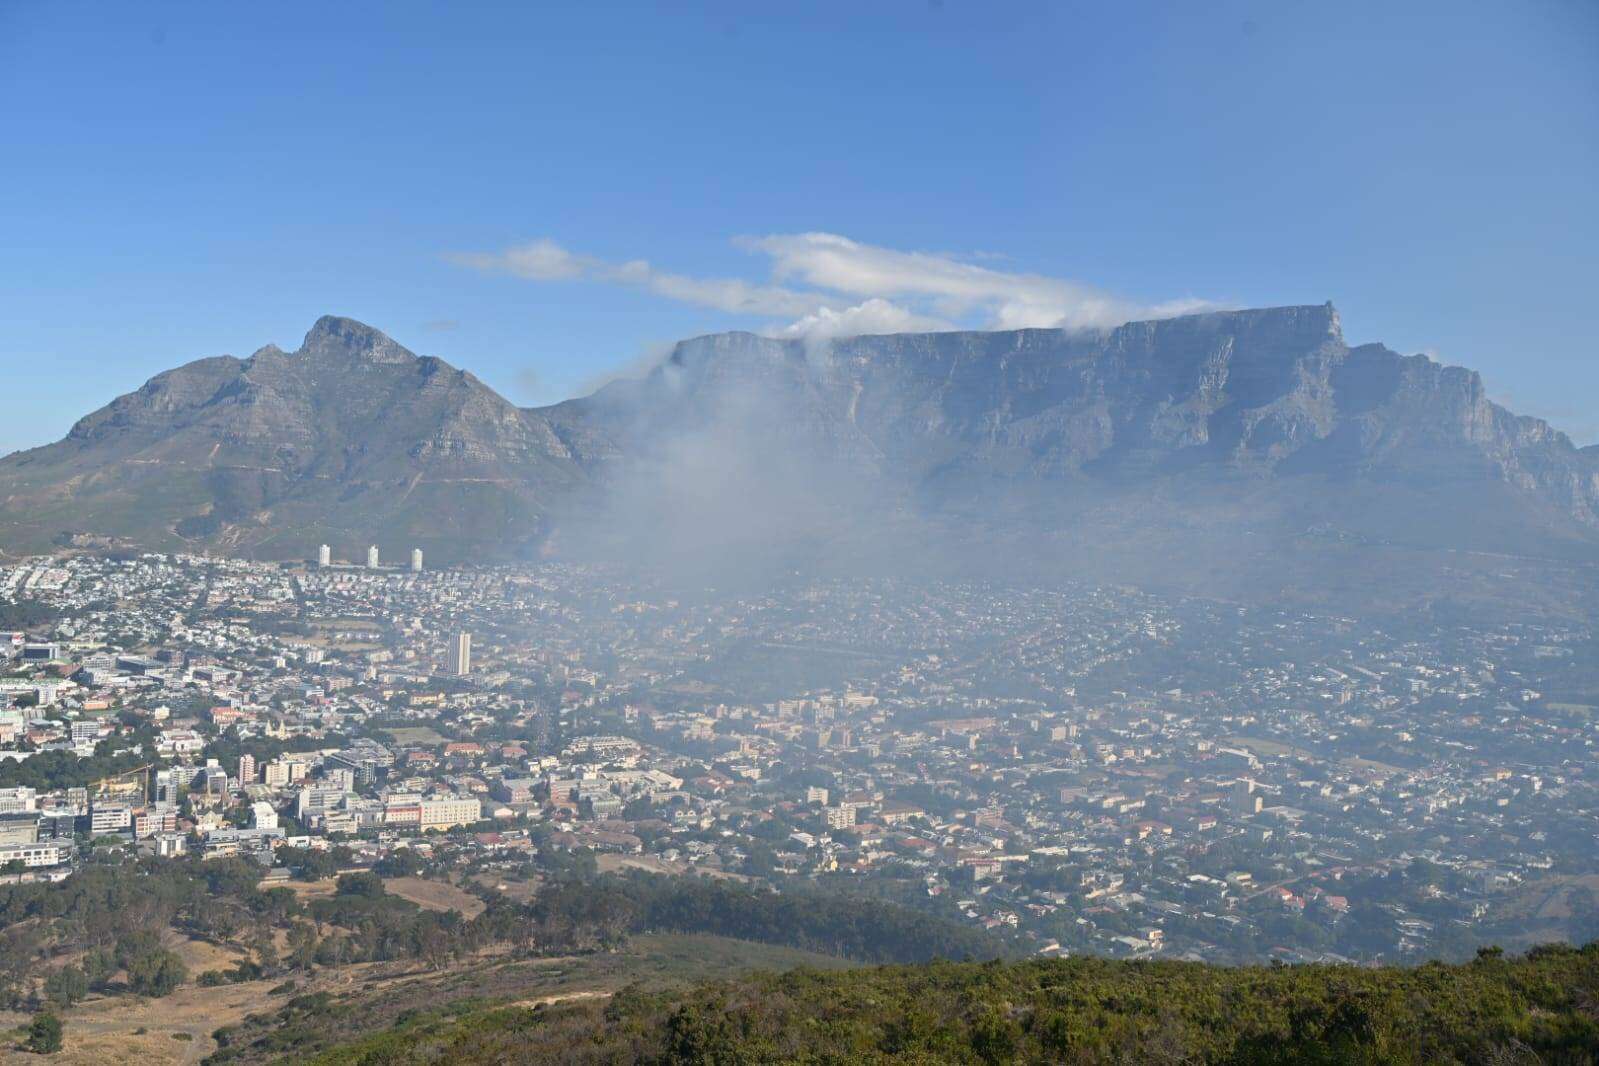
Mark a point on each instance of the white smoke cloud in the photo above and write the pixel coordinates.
(831, 286)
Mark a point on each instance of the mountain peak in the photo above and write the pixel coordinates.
(334, 336)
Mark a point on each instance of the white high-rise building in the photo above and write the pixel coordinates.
(324, 556)
(372, 557)
(461, 655)
(262, 816)
(416, 560)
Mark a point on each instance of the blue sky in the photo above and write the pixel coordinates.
(544, 196)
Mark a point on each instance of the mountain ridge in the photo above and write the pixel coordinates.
(353, 439)
(1270, 386)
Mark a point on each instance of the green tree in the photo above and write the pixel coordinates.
(302, 945)
(98, 966)
(310, 864)
(156, 973)
(266, 950)
(66, 986)
(134, 945)
(402, 862)
(44, 1034)
(369, 885)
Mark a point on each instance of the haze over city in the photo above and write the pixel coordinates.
(936, 533)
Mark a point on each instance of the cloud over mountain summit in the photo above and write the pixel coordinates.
(829, 285)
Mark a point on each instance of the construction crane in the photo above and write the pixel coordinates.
(118, 784)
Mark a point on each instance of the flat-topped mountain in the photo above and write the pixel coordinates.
(1181, 432)
(1258, 393)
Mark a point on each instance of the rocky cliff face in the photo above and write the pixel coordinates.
(352, 439)
(1269, 394)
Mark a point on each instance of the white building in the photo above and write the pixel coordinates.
(339, 777)
(170, 844)
(446, 812)
(372, 557)
(34, 855)
(283, 771)
(416, 560)
(324, 556)
(110, 818)
(461, 655)
(262, 816)
(317, 801)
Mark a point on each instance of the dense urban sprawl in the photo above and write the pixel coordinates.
(1080, 768)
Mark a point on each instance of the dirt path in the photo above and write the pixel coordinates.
(563, 997)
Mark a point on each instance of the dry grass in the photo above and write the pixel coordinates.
(309, 890)
(104, 1031)
(435, 895)
(429, 895)
(512, 888)
(199, 956)
(1558, 905)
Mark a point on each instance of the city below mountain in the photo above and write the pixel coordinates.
(992, 633)
(1243, 452)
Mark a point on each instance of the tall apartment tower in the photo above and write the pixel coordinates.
(246, 769)
(461, 655)
(324, 556)
(416, 560)
(372, 557)
(1245, 801)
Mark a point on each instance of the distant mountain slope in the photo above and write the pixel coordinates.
(1157, 441)
(351, 439)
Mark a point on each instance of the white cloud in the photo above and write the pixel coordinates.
(828, 285)
(724, 294)
(540, 260)
(1006, 300)
(873, 316)
(544, 260)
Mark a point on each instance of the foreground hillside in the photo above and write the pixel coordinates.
(134, 952)
(291, 1017)
(1541, 1008)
